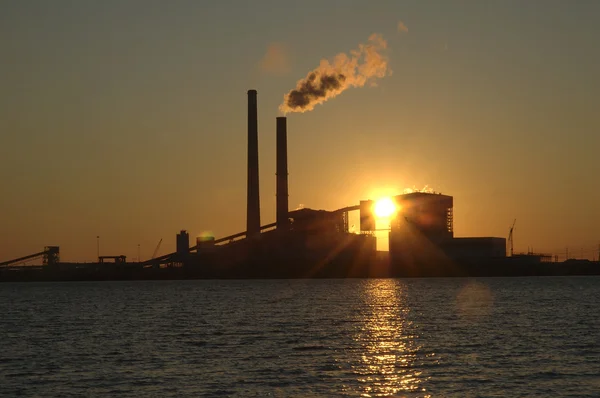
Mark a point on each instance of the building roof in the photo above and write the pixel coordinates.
(422, 194)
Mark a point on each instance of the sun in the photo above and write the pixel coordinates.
(384, 207)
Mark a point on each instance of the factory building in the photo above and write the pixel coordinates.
(429, 213)
(422, 242)
(317, 221)
(309, 243)
(477, 248)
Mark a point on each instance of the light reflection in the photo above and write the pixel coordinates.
(474, 301)
(387, 344)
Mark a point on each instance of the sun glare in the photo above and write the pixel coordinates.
(384, 207)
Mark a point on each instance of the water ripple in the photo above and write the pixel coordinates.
(305, 338)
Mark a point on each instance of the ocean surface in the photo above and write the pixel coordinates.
(497, 337)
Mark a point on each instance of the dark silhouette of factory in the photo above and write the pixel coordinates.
(308, 243)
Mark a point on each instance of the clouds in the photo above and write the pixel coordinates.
(402, 28)
(276, 60)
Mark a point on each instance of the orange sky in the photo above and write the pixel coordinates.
(128, 120)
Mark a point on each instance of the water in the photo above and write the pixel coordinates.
(302, 338)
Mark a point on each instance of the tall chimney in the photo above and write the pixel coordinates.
(282, 174)
(253, 203)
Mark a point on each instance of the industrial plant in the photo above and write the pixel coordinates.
(309, 243)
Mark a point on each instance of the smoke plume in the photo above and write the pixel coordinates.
(276, 60)
(362, 65)
(414, 189)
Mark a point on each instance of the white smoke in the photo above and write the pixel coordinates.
(362, 65)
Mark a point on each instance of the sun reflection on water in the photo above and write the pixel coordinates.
(387, 343)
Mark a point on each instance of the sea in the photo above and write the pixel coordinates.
(484, 337)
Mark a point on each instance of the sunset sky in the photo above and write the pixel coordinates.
(127, 119)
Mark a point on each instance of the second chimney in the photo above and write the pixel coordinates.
(282, 220)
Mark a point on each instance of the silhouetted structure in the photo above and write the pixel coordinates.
(50, 256)
(117, 260)
(183, 243)
(253, 200)
(311, 243)
(367, 217)
(430, 213)
(282, 175)
(205, 243)
(317, 222)
(422, 241)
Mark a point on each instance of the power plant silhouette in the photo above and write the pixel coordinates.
(307, 243)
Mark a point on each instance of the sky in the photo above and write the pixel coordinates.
(127, 119)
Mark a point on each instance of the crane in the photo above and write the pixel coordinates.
(157, 248)
(510, 237)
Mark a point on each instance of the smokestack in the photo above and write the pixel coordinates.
(282, 174)
(253, 200)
